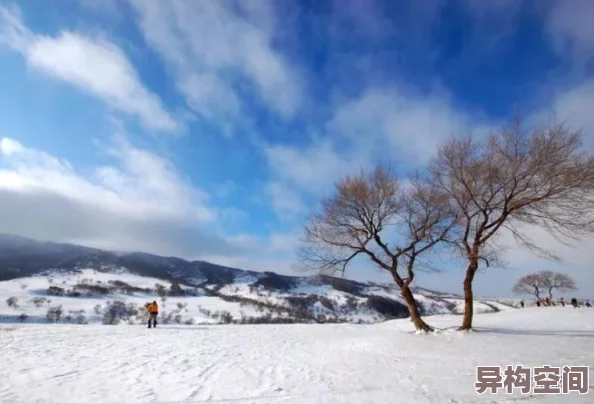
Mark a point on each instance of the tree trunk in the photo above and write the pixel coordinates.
(551, 294)
(413, 310)
(468, 297)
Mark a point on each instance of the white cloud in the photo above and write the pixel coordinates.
(571, 31)
(575, 106)
(285, 242)
(409, 125)
(381, 125)
(142, 185)
(94, 65)
(309, 169)
(215, 55)
(137, 203)
(9, 146)
(285, 200)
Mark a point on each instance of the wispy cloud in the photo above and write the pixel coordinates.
(285, 201)
(137, 203)
(570, 28)
(217, 55)
(382, 125)
(94, 65)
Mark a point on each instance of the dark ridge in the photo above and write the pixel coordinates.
(340, 284)
(388, 308)
(274, 281)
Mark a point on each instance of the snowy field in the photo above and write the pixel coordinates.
(327, 363)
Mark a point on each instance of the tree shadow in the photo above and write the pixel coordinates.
(179, 328)
(552, 333)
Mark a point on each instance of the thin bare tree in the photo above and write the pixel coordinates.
(510, 180)
(556, 280)
(372, 215)
(531, 284)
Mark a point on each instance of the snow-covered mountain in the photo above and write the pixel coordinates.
(92, 285)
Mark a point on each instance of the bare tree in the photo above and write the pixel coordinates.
(531, 284)
(513, 179)
(38, 301)
(370, 215)
(54, 314)
(555, 280)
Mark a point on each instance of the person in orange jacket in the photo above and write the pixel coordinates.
(153, 310)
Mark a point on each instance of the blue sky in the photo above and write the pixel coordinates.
(208, 130)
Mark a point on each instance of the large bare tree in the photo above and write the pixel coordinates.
(374, 216)
(530, 284)
(536, 283)
(556, 280)
(511, 180)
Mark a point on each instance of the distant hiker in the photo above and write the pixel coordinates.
(522, 303)
(153, 310)
(574, 302)
(562, 302)
(588, 303)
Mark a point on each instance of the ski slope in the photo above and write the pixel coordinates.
(301, 363)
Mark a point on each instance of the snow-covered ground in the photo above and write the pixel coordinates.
(317, 363)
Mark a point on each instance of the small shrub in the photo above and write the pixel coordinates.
(190, 322)
(116, 312)
(327, 303)
(351, 303)
(226, 317)
(22, 318)
(37, 301)
(23, 286)
(132, 309)
(54, 314)
(176, 290)
(56, 291)
(81, 319)
(88, 289)
(126, 288)
(75, 313)
(12, 302)
(161, 290)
